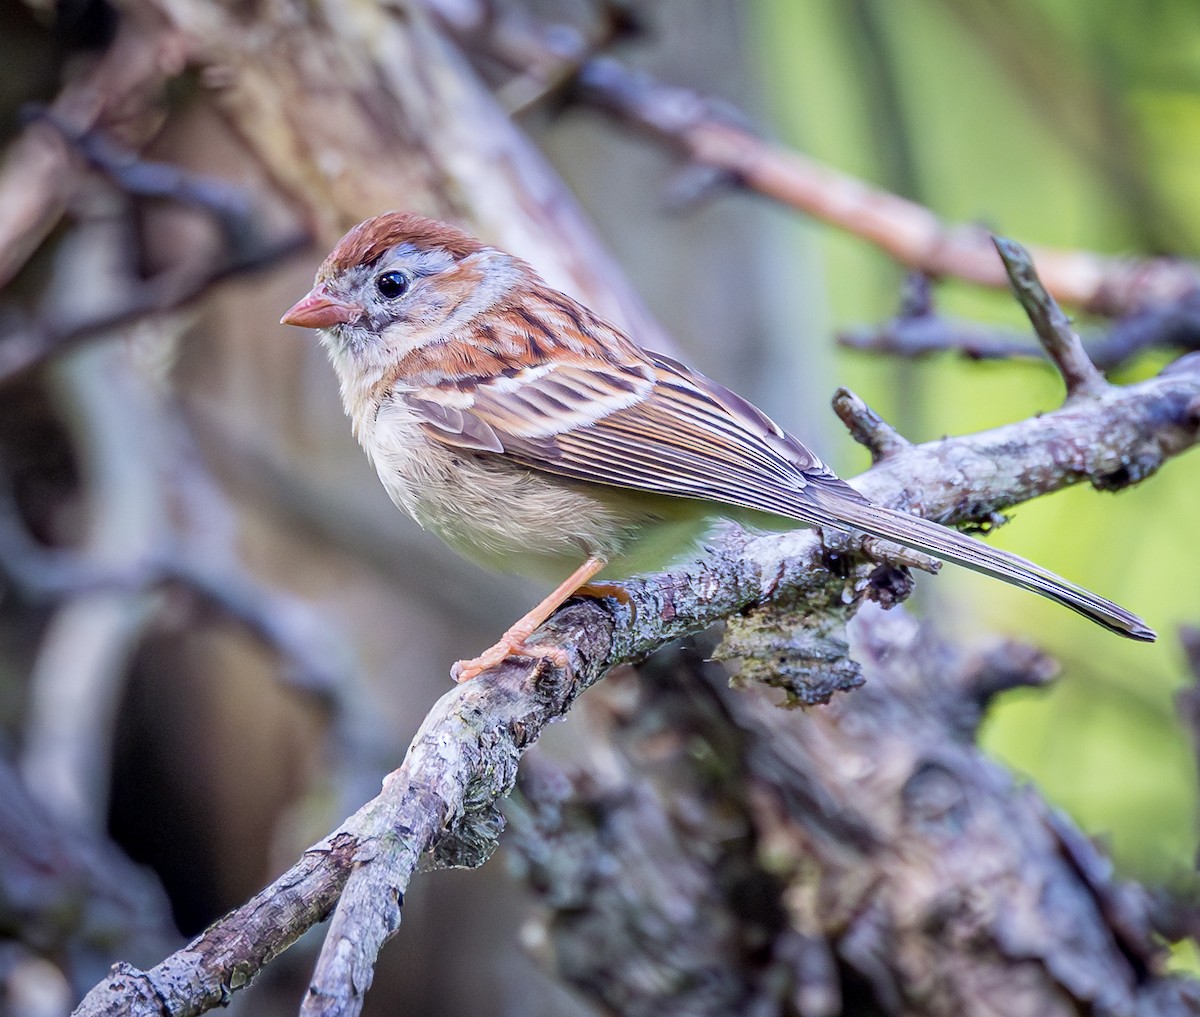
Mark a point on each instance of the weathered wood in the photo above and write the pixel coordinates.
(444, 799)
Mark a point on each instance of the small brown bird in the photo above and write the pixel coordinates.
(536, 438)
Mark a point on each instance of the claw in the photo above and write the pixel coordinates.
(601, 590)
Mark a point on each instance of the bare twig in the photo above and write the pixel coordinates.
(39, 172)
(545, 57)
(464, 758)
(26, 343)
(318, 660)
(715, 135)
(1053, 327)
(233, 208)
(867, 427)
(922, 335)
(908, 232)
(1171, 327)
(109, 416)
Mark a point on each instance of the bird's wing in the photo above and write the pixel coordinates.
(653, 425)
(656, 426)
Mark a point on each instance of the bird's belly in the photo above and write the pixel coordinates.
(512, 519)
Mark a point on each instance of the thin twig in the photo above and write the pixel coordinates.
(927, 334)
(25, 343)
(714, 134)
(867, 427)
(319, 660)
(910, 233)
(1052, 326)
(546, 56)
(233, 208)
(39, 170)
(1172, 328)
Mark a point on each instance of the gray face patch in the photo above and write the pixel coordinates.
(381, 314)
(428, 311)
(417, 303)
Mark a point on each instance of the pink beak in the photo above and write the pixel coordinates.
(319, 310)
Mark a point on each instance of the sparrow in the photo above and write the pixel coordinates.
(535, 437)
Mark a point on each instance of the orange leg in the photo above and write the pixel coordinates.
(512, 643)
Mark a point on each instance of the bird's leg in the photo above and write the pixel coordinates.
(512, 643)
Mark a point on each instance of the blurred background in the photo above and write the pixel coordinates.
(216, 633)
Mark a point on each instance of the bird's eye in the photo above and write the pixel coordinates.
(393, 284)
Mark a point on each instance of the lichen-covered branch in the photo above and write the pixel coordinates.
(735, 858)
(443, 800)
(349, 109)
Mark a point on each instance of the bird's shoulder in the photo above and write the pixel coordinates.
(527, 332)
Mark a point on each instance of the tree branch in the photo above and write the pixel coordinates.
(1174, 327)
(910, 233)
(307, 120)
(867, 427)
(718, 138)
(38, 173)
(1051, 325)
(26, 343)
(731, 857)
(443, 799)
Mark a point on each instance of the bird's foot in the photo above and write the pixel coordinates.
(510, 645)
(599, 591)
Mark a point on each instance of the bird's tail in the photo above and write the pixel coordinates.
(953, 546)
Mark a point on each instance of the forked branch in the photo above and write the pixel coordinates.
(443, 799)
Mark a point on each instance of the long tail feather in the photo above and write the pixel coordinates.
(953, 546)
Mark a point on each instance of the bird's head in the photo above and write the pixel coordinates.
(397, 282)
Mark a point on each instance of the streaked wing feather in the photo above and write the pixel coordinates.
(656, 427)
